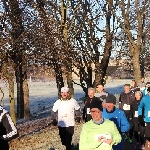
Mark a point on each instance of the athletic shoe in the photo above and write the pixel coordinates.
(130, 141)
(125, 137)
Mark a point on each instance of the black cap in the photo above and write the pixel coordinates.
(148, 89)
(96, 104)
(147, 83)
(111, 99)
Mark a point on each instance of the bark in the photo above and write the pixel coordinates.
(101, 68)
(20, 94)
(26, 96)
(11, 98)
(135, 53)
(10, 78)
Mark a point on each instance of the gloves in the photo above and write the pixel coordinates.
(54, 122)
(78, 119)
(140, 119)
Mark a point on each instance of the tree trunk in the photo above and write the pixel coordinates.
(11, 98)
(136, 64)
(26, 97)
(59, 78)
(69, 83)
(20, 94)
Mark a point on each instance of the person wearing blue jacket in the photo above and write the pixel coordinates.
(146, 87)
(145, 104)
(117, 116)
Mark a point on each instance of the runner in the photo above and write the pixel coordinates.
(98, 133)
(8, 131)
(117, 116)
(65, 107)
(138, 128)
(101, 93)
(87, 102)
(125, 100)
(145, 104)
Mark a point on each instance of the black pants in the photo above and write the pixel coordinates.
(147, 131)
(66, 134)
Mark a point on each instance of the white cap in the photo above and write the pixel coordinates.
(64, 89)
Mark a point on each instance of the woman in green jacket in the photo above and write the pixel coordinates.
(98, 133)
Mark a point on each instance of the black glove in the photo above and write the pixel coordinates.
(78, 119)
(54, 122)
(140, 119)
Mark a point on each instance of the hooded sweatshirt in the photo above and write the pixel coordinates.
(91, 131)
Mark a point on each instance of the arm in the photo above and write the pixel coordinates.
(125, 126)
(11, 130)
(116, 135)
(53, 113)
(140, 107)
(131, 111)
(84, 144)
(140, 111)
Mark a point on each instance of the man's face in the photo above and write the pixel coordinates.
(96, 114)
(100, 88)
(91, 93)
(64, 94)
(109, 106)
(126, 89)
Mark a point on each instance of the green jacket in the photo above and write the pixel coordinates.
(90, 132)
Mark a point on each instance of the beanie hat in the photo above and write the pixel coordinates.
(148, 89)
(64, 89)
(96, 104)
(111, 99)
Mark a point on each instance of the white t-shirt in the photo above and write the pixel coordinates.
(66, 111)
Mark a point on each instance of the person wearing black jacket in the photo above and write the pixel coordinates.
(87, 103)
(125, 100)
(8, 131)
(137, 127)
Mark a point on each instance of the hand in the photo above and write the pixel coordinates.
(103, 139)
(54, 122)
(140, 119)
(108, 141)
(78, 119)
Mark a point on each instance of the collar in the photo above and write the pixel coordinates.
(98, 123)
(111, 111)
(65, 99)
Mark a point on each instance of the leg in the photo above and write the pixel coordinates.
(62, 134)
(136, 135)
(142, 133)
(69, 134)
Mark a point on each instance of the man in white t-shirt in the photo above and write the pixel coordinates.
(66, 107)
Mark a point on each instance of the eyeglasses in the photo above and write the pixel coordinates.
(97, 112)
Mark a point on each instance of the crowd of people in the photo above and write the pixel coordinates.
(105, 125)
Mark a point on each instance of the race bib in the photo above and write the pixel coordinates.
(136, 114)
(148, 113)
(88, 111)
(126, 107)
(64, 116)
(106, 136)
